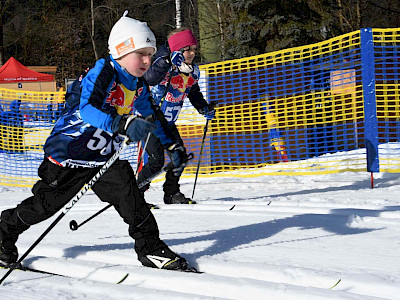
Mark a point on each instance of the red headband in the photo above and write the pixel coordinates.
(181, 39)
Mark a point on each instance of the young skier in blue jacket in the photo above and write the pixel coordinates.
(173, 77)
(87, 134)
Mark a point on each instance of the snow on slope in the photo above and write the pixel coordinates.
(288, 237)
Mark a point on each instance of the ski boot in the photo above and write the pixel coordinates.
(178, 198)
(8, 255)
(164, 258)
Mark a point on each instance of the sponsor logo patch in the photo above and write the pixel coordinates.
(125, 46)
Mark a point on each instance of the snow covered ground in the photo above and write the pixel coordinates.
(288, 237)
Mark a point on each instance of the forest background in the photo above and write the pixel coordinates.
(73, 34)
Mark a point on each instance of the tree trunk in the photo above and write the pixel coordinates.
(221, 30)
(358, 11)
(341, 15)
(178, 14)
(92, 31)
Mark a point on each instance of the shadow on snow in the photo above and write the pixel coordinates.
(335, 223)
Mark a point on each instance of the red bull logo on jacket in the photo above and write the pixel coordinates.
(181, 82)
(170, 97)
(122, 98)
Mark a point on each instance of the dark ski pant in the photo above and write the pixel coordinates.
(58, 185)
(156, 160)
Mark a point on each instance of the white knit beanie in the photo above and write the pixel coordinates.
(128, 35)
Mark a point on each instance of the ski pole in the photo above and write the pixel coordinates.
(73, 225)
(212, 105)
(68, 207)
(200, 154)
(142, 156)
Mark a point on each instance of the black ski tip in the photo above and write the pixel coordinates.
(337, 282)
(232, 207)
(123, 278)
(73, 225)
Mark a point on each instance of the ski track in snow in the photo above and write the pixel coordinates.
(224, 280)
(285, 238)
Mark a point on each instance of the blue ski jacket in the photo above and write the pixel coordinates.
(170, 87)
(82, 136)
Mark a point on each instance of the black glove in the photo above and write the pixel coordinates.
(136, 128)
(208, 111)
(178, 156)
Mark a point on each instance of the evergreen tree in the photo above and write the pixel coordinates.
(261, 26)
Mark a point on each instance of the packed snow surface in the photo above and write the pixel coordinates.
(287, 237)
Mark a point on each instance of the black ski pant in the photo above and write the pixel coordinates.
(156, 160)
(58, 185)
